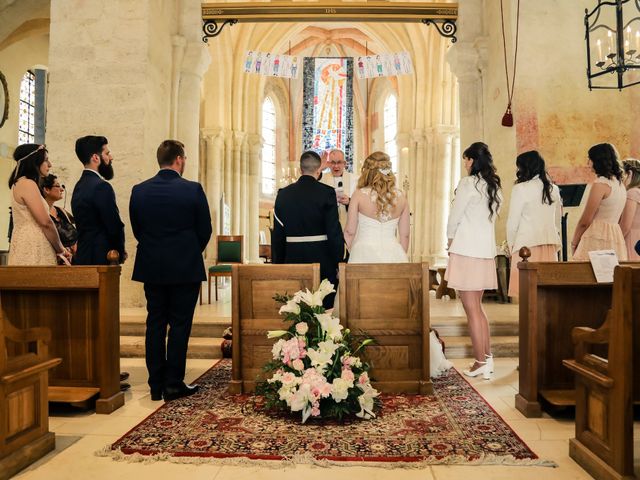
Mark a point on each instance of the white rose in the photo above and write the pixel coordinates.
(340, 389)
(302, 328)
(277, 349)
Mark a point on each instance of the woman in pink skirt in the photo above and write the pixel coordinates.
(534, 214)
(630, 219)
(598, 227)
(472, 248)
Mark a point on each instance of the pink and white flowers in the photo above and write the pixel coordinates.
(314, 369)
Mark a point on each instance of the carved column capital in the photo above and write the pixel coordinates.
(238, 139)
(196, 59)
(255, 143)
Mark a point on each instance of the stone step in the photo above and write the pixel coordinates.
(460, 347)
(210, 329)
(199, 347)
(458, 327)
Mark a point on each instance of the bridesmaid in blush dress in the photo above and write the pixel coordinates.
(630, 219)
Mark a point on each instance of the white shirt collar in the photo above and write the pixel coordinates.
(89, 170)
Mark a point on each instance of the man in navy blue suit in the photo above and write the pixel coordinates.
(171, 221)
(94, 207)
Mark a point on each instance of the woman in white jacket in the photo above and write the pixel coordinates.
(472, 248)
(535, 210)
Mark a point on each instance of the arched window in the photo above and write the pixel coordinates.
(27, 109)
(391, 130)
(268, 175)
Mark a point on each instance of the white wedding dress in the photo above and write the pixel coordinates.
(376, 241)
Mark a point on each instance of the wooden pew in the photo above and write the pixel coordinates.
(24, 416)
(555, 297)
(607, 387)
(390, 302)
(254, 312)
(81, 307)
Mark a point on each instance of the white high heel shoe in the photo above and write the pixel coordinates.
(489, 360)
(482, 370)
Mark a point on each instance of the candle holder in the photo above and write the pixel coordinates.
(621, 20)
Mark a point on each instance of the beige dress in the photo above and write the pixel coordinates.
(604, 233)
(634, 234)
(28, 244)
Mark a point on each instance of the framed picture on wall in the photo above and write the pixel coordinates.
(4, 100)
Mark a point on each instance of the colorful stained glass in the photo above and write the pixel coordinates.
(26, 110)
(328, 105)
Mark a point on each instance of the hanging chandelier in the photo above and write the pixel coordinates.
(613, 44)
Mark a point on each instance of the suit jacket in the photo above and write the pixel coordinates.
(348, 187)
(470, 227)
(100, 228)
(307, 208)
(170, 219)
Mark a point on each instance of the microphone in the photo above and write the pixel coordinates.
(340, 184)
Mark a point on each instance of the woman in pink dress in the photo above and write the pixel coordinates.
(472, 248)
(630, 219)
(598, 227)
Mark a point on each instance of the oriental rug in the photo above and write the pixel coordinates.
(453, 426)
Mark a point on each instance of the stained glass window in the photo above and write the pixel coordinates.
(391, 130)
(328, 94)
(26, 116)
(268, 175)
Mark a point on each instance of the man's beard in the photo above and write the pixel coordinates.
(106, 170)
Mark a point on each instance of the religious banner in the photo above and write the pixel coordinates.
(271, 65)
(327, 118)
(384, 65)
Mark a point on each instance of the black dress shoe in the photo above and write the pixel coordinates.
(156, 395)
(124, 386)
(173, 393)
(124, 376)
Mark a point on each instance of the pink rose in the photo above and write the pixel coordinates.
(302, 328)
(347, 375)
(297, 365)
(364, 378)
(315, 412)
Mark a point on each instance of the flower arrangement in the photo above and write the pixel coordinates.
(315, 368)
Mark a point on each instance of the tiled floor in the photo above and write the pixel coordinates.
(78, 436)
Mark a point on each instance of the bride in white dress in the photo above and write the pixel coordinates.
(377, 229)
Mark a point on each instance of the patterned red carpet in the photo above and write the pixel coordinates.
(454, 426)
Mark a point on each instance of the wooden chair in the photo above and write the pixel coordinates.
(390, 302)
(24, 414)
(229, 252)
(254, 312)
(607, 387)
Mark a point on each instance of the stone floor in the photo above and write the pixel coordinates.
(79, 435)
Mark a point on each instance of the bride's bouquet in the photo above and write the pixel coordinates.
(315, 368)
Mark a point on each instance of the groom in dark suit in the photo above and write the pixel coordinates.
(171, 221)
(94, 207)
(306, 228)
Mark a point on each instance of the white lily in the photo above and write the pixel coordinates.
(330, 325)
(290, 307)
(326, 287)
(319, 358)
(276, 333)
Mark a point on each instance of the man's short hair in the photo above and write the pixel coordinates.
(336, 150)
(310, 162)
(168, 151)
(87, 146)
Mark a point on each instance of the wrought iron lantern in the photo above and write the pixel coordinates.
(613, 44)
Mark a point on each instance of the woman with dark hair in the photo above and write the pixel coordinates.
(472, 248)
(630, 219)
(598, 227)
(52, 191)
(35, 240)
(534, 213)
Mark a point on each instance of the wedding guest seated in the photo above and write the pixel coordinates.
(52, 191)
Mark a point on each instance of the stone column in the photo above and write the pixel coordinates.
(253, 193)
(419, 185)
(195, 63)
(178, 43)
(239, 139)
(442, 193)
(213, 186)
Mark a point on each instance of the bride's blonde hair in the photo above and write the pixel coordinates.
(377, 174)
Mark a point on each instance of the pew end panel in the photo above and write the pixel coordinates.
(554, 298)
(254, 312)
(24, 414)
(390, 303)
(80, 306)
(606, 388)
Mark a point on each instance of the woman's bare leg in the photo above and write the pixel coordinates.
(478, 324)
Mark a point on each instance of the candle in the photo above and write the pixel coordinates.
(600, 50)
(628, 34)
(610, 41)
(637, 41)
